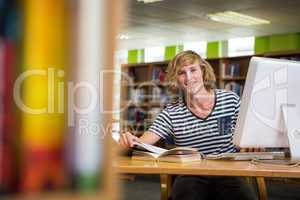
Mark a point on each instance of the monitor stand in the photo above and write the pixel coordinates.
(292, 124)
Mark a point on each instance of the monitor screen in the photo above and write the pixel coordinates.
(271, 85)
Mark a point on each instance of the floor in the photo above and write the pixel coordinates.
(147, 188)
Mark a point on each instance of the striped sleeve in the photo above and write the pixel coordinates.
(236, 110)
(162, 125)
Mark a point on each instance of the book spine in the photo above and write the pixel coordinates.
(234, 87)
(42, 130)
(232, 70)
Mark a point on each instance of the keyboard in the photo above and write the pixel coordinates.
(247, 156)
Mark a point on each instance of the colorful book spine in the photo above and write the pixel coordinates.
(7, 115)
(158, 75)
(42, 120)
(8, 36)
(2, 142)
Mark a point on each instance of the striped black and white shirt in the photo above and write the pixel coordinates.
(212, 134)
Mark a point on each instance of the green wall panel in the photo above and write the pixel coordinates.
(135, 56)
(216, 49)
(213, 49)
(277, 43)
(261, 44)
(171, 51)
(284, 42)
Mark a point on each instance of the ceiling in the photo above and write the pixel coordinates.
(177, 21)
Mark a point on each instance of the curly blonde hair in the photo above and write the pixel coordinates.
(187, 58)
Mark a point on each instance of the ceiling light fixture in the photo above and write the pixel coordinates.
(149, 1)
(230, 17)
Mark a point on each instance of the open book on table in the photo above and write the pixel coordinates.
(145, 151)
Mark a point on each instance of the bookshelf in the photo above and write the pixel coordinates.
(143, 94)
(144, 91)
(232, 72)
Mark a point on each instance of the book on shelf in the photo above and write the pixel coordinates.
(131, 75)
(159, 94)
(156, 93)
(138, 74)
(235, 87)
(135, 115)
(158, 75)
(140, 116)
(136, 95)
(8, 60)
(146, 152)
(232, 69)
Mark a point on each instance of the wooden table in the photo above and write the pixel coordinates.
(206, 167)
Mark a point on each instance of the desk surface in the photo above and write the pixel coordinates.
(206, 167)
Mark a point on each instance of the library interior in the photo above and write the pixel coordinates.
(100, 99)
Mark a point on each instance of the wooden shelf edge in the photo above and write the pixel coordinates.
(229, 78)
(147, 83)
(144, 64)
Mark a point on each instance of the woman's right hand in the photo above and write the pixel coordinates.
(127, 140)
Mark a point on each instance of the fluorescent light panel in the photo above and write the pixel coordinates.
(230, 17)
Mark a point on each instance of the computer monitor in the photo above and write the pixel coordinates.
(270, 106)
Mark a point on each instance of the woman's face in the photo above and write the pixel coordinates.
(190, 79)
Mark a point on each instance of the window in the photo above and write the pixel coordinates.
(154, 54)
(198, 47)
(241, 46)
